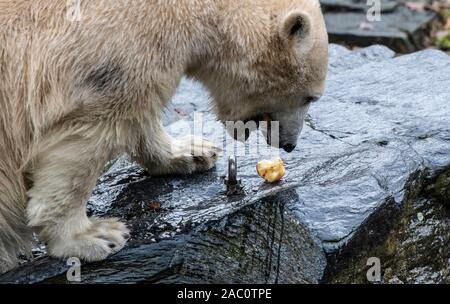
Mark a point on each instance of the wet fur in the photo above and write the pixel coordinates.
(73, 95)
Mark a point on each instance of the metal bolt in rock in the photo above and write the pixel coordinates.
(233, 184)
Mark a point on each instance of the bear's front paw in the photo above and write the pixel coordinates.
(193, 154)
(102, 238)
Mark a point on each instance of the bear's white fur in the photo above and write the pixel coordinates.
(75, 94)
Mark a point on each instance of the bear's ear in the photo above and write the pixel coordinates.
(296, 26)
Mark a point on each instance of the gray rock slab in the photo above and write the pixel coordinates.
(383, 121)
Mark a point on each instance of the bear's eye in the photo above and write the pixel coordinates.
(311, 99)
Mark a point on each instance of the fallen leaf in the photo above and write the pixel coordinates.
(420, 217)
(415, 6)
(365, 26)
(435, 6)
(441, 34)
(154, 205)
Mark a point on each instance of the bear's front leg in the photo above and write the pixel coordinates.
(162, 154)
(64, 174)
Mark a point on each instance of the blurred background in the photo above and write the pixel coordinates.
(404, 26)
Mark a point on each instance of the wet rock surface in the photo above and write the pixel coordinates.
(412, 245)
(382, 126)
(401, 28)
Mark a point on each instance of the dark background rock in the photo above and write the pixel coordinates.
(400, 28)
(358, 5)
(440, 188)
(366, 147)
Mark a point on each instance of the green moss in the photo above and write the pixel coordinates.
(444, 43)
(446, 13)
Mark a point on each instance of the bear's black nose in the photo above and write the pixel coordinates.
(289, 148)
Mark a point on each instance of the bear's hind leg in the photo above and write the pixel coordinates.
(64, 174)
(15, 236)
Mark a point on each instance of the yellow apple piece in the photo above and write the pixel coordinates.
(271, 170)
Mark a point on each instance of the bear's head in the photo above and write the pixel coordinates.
(270, 60)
